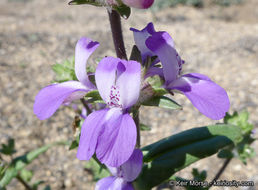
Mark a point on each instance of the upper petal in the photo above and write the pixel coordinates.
(133, 166)
(84, 48)
(140, 4)
(117, 141)
(129, 83)
(105, 76)
(161, 44)
(51, 97)
(140, 36)
(91, 129)
(208, 97)
(124, 75)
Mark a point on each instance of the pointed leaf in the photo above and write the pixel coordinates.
(163, 102)
(22, 161)
(144, 127)
(172, 154)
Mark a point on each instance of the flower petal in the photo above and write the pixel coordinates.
(140, 4)
(129, 83)
(84, 48)
(208, 97)
(105, 76)
(140, 37)
(91, 129)
(51, 97)
(117, 140)
(162, 45)
(113, 183)
(132, 167)
(105, 183)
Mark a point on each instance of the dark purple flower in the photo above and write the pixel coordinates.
(111, 132)
(123, 175)
(50, 98)
(208, 97)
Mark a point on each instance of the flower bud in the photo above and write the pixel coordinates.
(140, 4)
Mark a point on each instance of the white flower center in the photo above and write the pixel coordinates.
(114, 97)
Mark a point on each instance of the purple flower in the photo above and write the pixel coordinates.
(208, 97)
(123, 175)
(111, 132)
(140, 4)
(50, 98)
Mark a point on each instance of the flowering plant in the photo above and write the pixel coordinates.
(113, 94)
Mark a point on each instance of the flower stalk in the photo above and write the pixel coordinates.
(116, 29)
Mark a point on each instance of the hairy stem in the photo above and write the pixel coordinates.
(116, 29)
(137, 123)
(24, 183)
(89, 111)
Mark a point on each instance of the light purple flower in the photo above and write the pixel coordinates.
(111, 132)
(208, 97)
(123, 175)
(50, 98)
(140, 4)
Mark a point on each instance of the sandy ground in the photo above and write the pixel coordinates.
(34, 34)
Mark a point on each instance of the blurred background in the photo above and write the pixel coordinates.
(218, 38)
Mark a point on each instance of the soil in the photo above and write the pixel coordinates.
(221, 42)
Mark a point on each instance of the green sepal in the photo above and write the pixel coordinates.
(123, 10)
(89, 2)
(162, 102)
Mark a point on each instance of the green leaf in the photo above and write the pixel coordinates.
(21, 162)
(26, 175)
(243, 149)
(98, 171)
(239, 119)
(174, 153)
(64, 71)
(199, 176)
(9, 148)
(163, 102)
(89, 2)
(191, 136)
(123, 10)
(144, 127)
